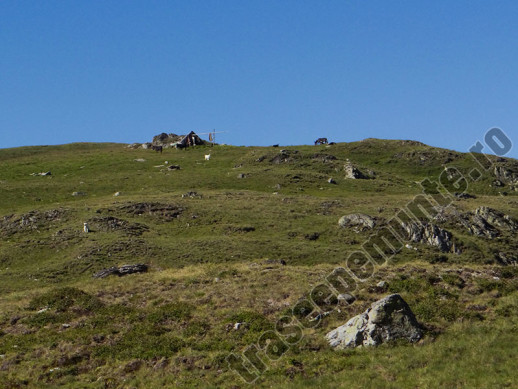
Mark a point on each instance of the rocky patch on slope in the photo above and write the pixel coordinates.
(164, 212)
(111, 223)
(30, 221)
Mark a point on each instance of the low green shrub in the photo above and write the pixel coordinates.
(436, 309)
(61, 299)
(143, 342)
(453, 280)
(175, 311)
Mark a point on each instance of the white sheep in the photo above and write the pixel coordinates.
(207, 157)
(86, 228)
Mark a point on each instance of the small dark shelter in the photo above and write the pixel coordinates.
(191, 139)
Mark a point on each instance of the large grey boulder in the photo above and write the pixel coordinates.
(387, 319)
(359, 221)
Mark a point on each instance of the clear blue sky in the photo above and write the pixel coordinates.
(442, 72)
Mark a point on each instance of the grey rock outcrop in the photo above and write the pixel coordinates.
(352, 172)
(497, 218)
(358, 221)
(488, 222)
(284, 156)
(387, 319)
(507, 175)
(164, 139)
(430, 234)
(122, 271)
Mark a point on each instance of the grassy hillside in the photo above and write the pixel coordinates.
(213, 234)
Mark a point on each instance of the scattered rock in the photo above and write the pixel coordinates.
(346, 298)
(464, 195)
(332, 181)
(241, 175)
(161, 364)
(78, 194)
(476, 307)
(122, 271)
(232, 229)
(116, 194)
(140, 160)
(382, 285)
(42, 174)
(270, 261)
(387, 319)
(284, 156)
(191, 195)
(173, 167)
(98, 338)
(359, 221)
(312, 236)
(133, 366)
(324, 157)
(509, 258)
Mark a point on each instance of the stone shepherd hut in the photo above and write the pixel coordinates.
(191, 139)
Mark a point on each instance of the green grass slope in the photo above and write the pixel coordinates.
(213, 234)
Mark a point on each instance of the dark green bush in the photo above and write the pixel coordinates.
(431, 309)
(175, 311)
(453, 280)
(255, 321)
(503, 286)
(410, 285)
(143, 342)
(61, 299)
(42, 319)
(197, 328)
(509, 272)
